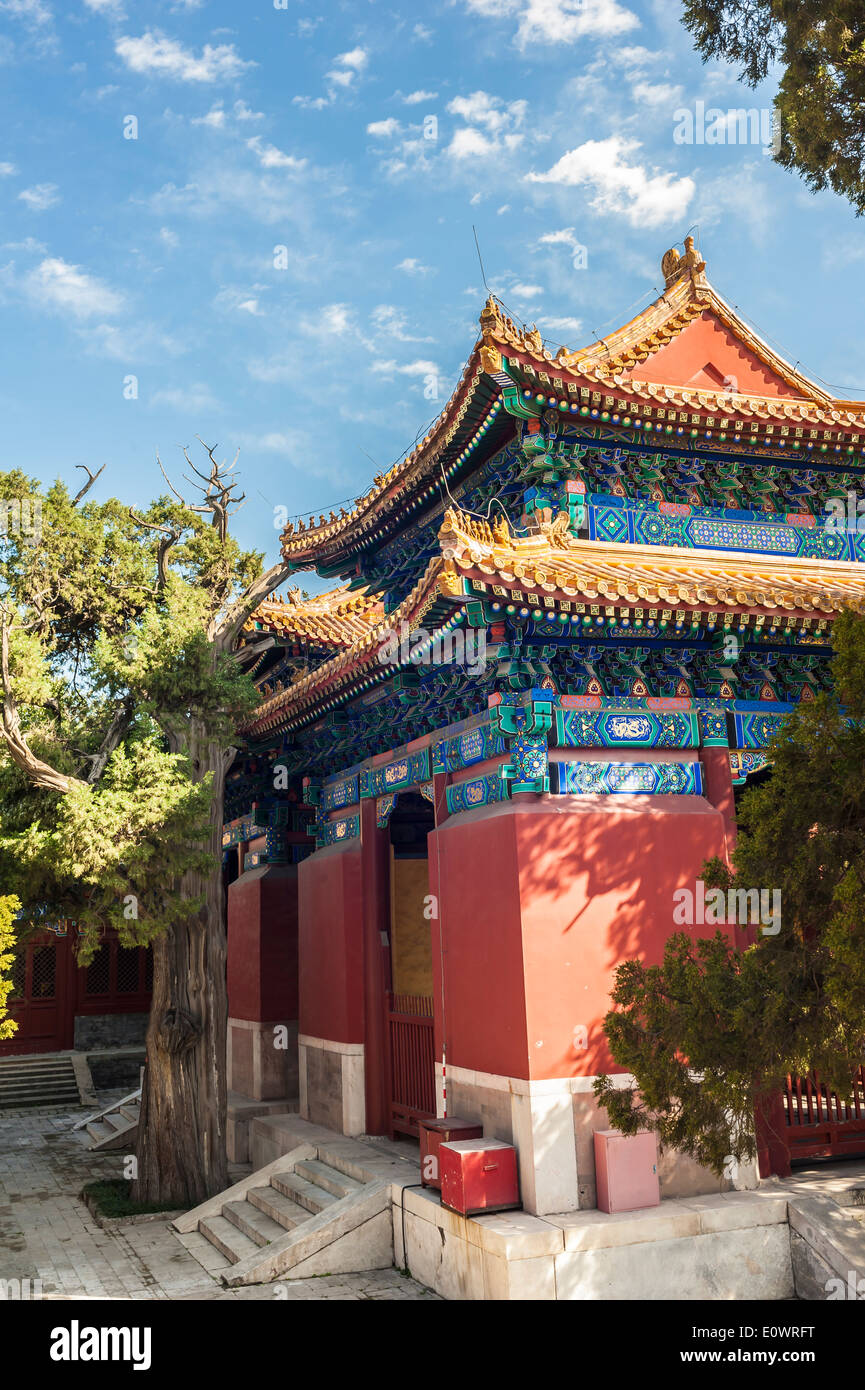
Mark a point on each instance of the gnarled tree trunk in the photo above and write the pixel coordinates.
(181, 1131)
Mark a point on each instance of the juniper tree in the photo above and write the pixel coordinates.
(818, 46)
(713, 1030)
(121, 695)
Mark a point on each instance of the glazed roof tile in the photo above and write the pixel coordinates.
(605, 367)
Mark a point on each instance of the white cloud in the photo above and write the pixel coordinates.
(245, 113)
(32, 12)
(411, 266)
(110, 7)
(347, 66)
(390, 321)
(415, 98)
(384, 129)
(356, 58)
(568, 327)
(491, 124)
(628, 190)
(168, 237)
(40, 196)
(422, 33)
(153, 53)
(55, 284)
(269, 157)
(6, 169)
(215, 118)
(656, 93)
(566, 236)
(190, 399)
(559, 21)
(491, 112)
(421, 367)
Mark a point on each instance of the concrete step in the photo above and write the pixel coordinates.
(253, 1222)
(10, 1069)
(278, 1207)
(227, 1239)
(38, 1088)
(28, 1083)
(98, 1131)
(322, 1175)
(306, 1194)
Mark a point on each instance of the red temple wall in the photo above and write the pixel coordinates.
(262, 945)
(540, 901)
(331, 944)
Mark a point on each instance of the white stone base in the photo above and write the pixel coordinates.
(728, 1246)
(331, 1084)
(551, 1124)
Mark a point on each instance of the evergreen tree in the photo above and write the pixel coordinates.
(714, 1030)
(121, 698)
(819, 48)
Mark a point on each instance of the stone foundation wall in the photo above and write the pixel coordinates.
(551, 1123)
(109, 1030)
(331, 1084)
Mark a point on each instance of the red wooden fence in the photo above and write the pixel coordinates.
(412, 1064)
(818, 1122)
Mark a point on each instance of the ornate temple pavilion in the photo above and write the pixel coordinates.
(567, 625)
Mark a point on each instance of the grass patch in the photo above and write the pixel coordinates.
(112, 1198)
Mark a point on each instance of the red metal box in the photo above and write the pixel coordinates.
(434, 1133)
(478, 1175)
(626, 1170)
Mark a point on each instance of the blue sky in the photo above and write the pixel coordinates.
(364, 139)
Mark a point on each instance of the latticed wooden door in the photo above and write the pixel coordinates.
(38, 1002)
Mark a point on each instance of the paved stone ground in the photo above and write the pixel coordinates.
(47, 1233)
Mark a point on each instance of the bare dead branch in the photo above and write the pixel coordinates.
(91, 479)
(113, 735)
(170, 536)
(226, 630)
(169, 482)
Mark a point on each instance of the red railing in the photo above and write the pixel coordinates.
(819, 1122)
(412, 1064)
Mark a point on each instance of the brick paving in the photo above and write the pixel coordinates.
(47, 1233)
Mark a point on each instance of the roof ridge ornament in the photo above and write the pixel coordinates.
(674, 266)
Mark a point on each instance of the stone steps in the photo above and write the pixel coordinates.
(300, 1215)
(28, 1082)
(114, 1128)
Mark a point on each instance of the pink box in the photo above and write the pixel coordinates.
(626, 1170)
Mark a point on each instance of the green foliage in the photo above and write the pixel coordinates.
(112, 1199)
(123, 685)
(819, 46)
(109, 855)
(793, 1001)
(9, 906)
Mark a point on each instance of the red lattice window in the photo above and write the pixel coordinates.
(19, 975)
(99, 972)
(44, 971)
(127, 969)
